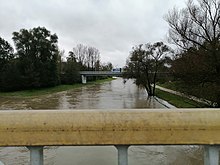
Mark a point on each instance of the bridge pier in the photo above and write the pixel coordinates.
(84, 79)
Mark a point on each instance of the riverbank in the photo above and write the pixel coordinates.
(46, 91)
(209, 93)
(178, 100)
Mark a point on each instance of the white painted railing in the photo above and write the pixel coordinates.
(121, 128)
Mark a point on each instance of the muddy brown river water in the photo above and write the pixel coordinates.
(109, 95)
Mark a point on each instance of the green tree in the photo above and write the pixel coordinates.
(143, 64)
(70, 71)
(11, 78)
(6, 53)
(38, 53)
(107, 66)
(8, 69)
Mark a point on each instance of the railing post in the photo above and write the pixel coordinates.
(122, 154)
(211, 155)
(36, 155)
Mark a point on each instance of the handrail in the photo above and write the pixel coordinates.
(109, 127)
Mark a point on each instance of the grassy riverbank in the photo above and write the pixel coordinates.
(45, 91)
(178, 101)
(208, 91)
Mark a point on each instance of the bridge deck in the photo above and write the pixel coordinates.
(100, 73)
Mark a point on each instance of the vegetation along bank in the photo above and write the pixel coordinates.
(193, 66)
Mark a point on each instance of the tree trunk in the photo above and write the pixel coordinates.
(148, 87)
(154, 83)
(149, 91)
(155, 77)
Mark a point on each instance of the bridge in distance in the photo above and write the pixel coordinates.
(85, 74)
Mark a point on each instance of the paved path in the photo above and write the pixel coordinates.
(200, 100)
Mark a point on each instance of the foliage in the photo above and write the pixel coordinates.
(37, 52)
(196, 31)
(6, 52)
(38, 63)
(194, 68)
(107, 67)
(8, 72)
(70, 71)
(10, 77)
(144, 63)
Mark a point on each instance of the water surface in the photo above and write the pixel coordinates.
(109, 95)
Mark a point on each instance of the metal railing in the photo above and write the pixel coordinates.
(121, 128)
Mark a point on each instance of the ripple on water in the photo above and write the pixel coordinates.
(166, 155)
(113, 94)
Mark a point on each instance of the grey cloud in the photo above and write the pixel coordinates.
(112, 26)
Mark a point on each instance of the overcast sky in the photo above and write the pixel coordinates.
(112, 26)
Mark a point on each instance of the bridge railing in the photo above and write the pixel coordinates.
(99, 73)
(121, 128)
(85, 74)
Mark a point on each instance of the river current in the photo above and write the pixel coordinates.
(109, 95)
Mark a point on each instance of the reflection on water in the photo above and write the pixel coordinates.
(110, 95)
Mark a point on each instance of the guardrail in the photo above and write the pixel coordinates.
(121, 128)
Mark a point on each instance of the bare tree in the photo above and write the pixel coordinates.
(96, 59)
(197, 26)
(87, 57)
(93, 56)
(79, 53)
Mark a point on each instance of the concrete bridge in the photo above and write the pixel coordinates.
(85, 74)
(120, 128)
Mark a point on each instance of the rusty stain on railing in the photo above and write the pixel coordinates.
(34, 128)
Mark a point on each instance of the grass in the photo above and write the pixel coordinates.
(175, 85)
(178, 101)
(50, 90)
(209, 91)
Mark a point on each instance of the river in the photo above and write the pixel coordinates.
(109, 95)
